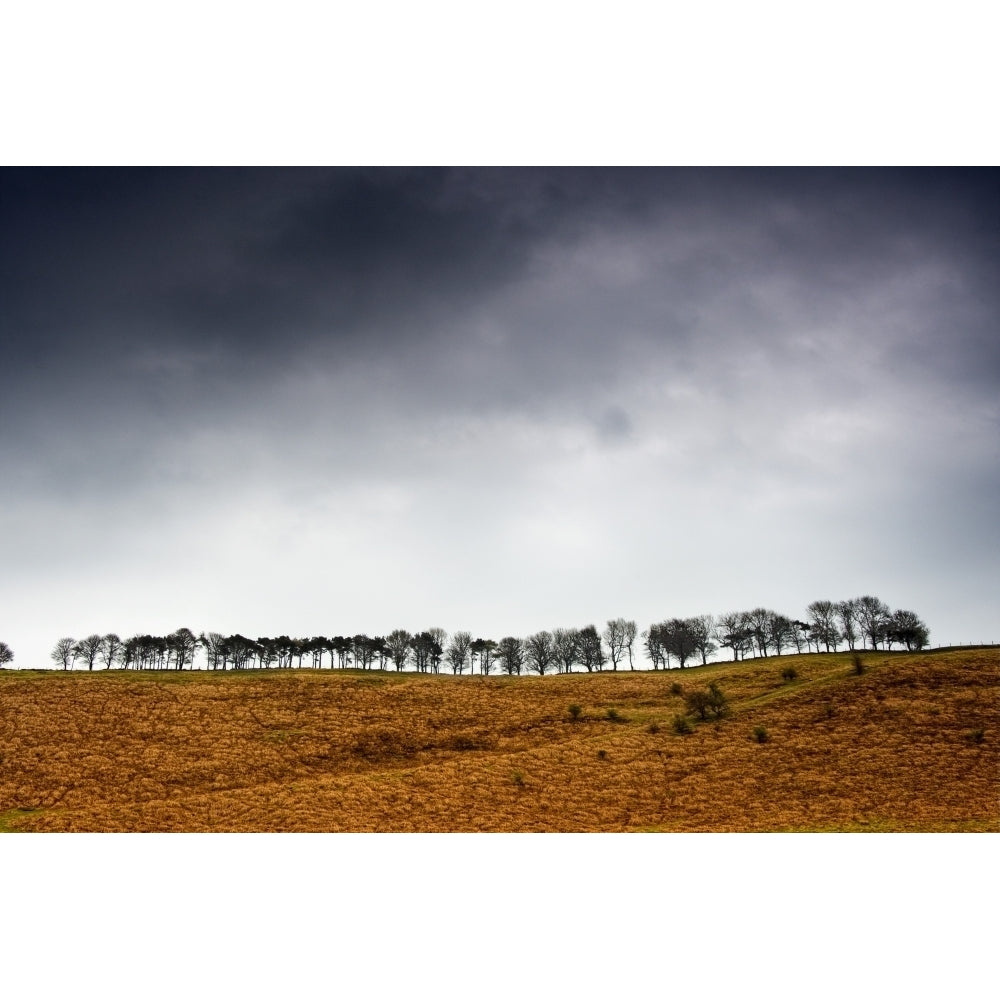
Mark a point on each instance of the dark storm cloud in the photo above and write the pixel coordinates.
(262, 264)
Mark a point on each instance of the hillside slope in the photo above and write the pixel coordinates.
(909, 744)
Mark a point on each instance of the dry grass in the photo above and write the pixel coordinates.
(892, 749)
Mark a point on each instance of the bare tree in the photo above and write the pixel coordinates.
(212, 643)
(591, 652)
(540, 650)
(510, 653)
(653, 642)
(759, 623)
(733, 632)
(906, 628)
(65, 652)
(630, 633)
(567, 647)
(182, 644)
(486, 650)
(458, 651)
(87, 649)
(614, 636)
(873, 617)
(398, 644)
(823, 623)
(440, 637)
(111, 649)
(780, 632)
(847, 616)
(426, 651)
(703, 629)
(679, 636)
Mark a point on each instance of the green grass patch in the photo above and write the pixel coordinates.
(9, 820)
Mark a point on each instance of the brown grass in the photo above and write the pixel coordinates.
(892, 749)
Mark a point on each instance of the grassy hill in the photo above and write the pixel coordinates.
(910, 743)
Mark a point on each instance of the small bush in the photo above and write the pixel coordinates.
(974, 736)
(676, 689)
(613, 715)
(653, 728)
(602, 754)
(518, 778)
(859, 665)
(789, 673)
(697, 703)
(681, 725)
(717, 703)
(760, 734)
(574, 712)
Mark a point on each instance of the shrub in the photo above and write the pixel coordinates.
(602, 754)
(653, 727)
(518, 778)
(676, 689)
(574, 712)
(717, 703)
(697, 703)
(859, 665)
(760, 734)
(613, 715)
(681, 725)
(974, 736)
(789, 673)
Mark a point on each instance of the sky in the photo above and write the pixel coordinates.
(331, 401)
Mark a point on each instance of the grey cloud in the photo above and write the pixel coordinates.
(506, 390)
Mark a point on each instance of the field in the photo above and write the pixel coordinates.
(912, 743)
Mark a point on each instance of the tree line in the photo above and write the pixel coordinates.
(672, 642)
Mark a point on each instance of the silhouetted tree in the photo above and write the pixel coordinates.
(111, 650)
(703, 629)
(458, 651)
(510, 653)
(540, 651)
(365, 651)
(398, 645)
(87, 649)
(342, 647)
(65, 652)
(802, 633)
(440, 637)
(653, 643)
(679, 637)
(6, 654)
(873, 618)
(591, 652)
(759, 624)
(732, 631)
(780, 631)
(847, 617)
(425, 650)
(823, 624)
(182, 645)
(614, 636)
(212, 642)
(630, 634)
(486, 650)
(566, 642)
(240, 651)
(906, 628)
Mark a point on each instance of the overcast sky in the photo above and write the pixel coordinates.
(340, 401)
